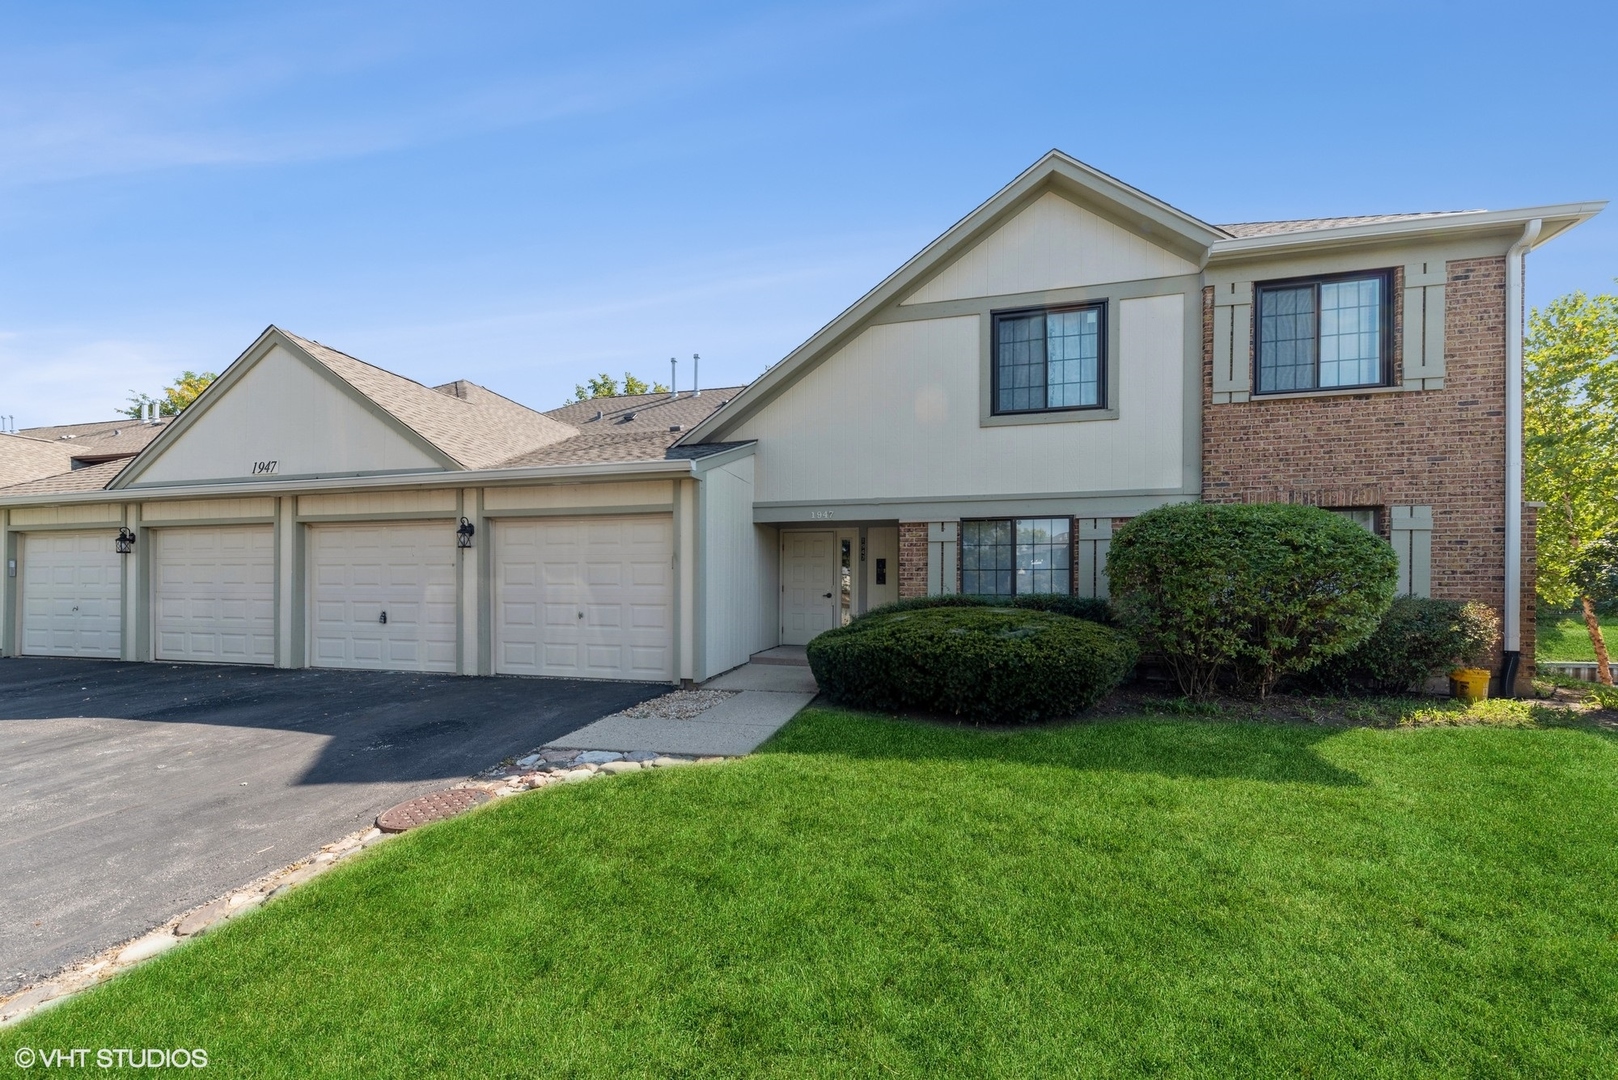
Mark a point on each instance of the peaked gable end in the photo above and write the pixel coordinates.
(281, 414)
(1052, 243)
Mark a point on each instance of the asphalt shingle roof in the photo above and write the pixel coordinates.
(638, 427)
(1273, 228)
(474, 426)
(103, 440)
(89, 478)
(23, 458)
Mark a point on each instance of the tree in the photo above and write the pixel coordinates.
(1570, 428)
(176, 396)
(605, 385)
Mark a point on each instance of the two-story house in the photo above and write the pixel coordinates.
(1070, 354)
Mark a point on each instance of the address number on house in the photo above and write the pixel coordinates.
(266, 468)
(820, 515)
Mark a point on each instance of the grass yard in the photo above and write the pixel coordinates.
(1147, 897)
(1559, 636)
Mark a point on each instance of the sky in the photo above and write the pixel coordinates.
(525, 195)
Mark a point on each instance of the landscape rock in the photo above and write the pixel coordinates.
(641, 755)
(665, 761)
(598, 757)
(575, 775)
(528, 762)
(613, 768)
(202, 918)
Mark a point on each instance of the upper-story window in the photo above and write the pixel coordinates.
(1049, 359)
(1324, 333)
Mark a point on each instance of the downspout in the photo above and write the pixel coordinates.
(1511, 655)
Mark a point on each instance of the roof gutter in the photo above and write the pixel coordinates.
(1511, 655)
(463, 478)
(1563, 216)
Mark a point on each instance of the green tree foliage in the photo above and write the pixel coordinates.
(1257, 591)
(1570, 422)
(174, 397)
(605, 385)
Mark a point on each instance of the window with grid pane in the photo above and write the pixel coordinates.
(1048, 360)
(1322, 334)
(1017, 557)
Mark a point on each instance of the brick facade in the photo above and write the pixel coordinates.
(912, 559)
(1440, 448)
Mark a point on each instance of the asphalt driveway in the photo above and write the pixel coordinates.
(131, 792)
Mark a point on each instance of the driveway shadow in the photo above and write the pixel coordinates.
(378, 726)
(1190, 749)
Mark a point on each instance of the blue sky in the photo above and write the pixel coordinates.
(526, 194)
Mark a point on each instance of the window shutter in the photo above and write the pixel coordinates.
(943, 544)
(1232, 341)
(1095, 537)
(1424, 325)
(1411, 529)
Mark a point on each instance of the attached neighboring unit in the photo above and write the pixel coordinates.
(1070, 355)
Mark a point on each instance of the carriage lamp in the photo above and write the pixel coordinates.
(124, 543)
(463, 535)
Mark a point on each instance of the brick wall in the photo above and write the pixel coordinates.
(1443, 448)
(912, 559)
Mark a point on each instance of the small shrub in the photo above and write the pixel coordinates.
(1605, 697)
(995, 664)
(1259, 590)
(1416, 638)
(1490, 712)
(921, 603)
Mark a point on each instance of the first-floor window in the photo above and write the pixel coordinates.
(1017, 556)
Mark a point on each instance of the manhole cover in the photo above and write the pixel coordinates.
(434, 806)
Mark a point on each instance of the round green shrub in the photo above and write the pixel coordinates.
(1078, 607)
(1416, 638)
(994, 664)
(1258, 591)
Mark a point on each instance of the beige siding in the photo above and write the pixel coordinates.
(71, 514)
(207, 509)
(284, 411)
(1052, 244)
(737, 622)
(578, 496)
(439, 502)
(894, 415)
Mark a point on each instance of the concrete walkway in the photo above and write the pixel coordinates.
(767, 696)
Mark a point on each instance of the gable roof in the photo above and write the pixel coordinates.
(1275, 228)
(23, 458)
(1093, 189)
(461, 425)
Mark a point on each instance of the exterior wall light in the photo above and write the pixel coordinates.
(124, 543)
(463, 535)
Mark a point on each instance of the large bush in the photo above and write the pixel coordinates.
(1258, 591)
(1079, 607)
(997, 664)
(1416, 638)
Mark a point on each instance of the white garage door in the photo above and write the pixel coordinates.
(213, 594)
(585, 597)
(382, 596)
(72, 602)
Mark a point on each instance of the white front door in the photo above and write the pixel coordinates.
(213, 594)
(587, 597)
(808, 603)
(72, 594)
(383, 596)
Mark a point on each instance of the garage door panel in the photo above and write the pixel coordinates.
(602, 590)
(72, 595)
(406, 570)
(214, 594)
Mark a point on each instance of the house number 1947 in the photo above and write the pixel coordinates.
(262, 468)
(820, 515)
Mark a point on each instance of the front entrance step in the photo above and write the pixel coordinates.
(788, 655)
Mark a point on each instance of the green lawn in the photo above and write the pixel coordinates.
(1563, 637)
(1151, 897)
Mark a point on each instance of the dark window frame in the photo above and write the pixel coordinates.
(1072, 527)
(1386, 329)
(995, 318)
